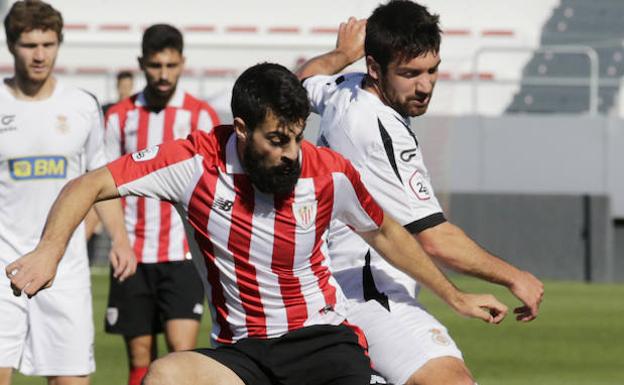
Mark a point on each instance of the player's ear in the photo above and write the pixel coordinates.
(373, 68)
(240, 127)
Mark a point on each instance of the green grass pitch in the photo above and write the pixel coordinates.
(578, 339)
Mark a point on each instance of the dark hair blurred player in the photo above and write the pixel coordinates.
(166, 294)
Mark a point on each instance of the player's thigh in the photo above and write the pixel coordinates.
(190, 368)
(442, 371)
(5, 375)
(69, 380)
(13, 325)
(61, 335)
(402, 340)
(180, 292)
(132, 304)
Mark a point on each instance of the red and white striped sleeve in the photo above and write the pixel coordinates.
(353, 204)
(164, 172)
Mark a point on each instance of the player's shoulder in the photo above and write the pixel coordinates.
(78, 97)
(318, 161)
(192, 102)
(123, 106)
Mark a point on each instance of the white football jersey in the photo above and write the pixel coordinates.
(44, 144)
(380, 144)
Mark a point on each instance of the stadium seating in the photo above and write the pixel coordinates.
(598, 25)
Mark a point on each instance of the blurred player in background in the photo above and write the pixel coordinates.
(124, 87)
(365, 117)
(166, 294)
(259, 200)
(49, 133)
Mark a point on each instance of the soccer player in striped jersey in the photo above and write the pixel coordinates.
(365, 117)
(50, 133)
(166, 293)
(259, 200)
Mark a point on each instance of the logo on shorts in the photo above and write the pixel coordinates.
(375, 379)
(146, 154)
(112, 315)
(439, 337)
(305, 213)
(408, 155)
(198, 308)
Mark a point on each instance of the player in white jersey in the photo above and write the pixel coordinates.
(165, 294)
(259, 200)
(49, 133)
(365, 117)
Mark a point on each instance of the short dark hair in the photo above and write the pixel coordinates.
(124, 75)
(401, 30)
(161, 36)
(28, 15)
(269, 87)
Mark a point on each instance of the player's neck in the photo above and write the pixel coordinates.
(371, 86)
(25, 89)
(156, 102)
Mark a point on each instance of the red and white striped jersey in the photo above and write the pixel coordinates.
(266, 257)
(155, 230)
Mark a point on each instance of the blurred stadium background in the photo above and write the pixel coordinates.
(524, 140)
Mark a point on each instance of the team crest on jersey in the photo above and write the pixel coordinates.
(305, 213)
(61, 124)
(146, 154)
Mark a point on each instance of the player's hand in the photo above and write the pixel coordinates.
(350, 39)
(32, 272)
(482, 306)
(122, 260)
(530, 290)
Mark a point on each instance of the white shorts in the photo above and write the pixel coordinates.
(401, 341)
(50, 334)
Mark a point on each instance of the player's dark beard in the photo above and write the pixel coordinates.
(278, 180)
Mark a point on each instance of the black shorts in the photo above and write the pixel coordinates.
(314, 355)
(158, 292)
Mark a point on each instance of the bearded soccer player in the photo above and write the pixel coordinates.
(365, 117)
(259, 200)
(49, 133)
(166, 293)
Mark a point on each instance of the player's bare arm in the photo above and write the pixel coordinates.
(121, 254)
(448, 244)
(35, 270)
(349, 49)
(396, 245)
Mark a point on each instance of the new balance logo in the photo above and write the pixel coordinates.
(223, 204)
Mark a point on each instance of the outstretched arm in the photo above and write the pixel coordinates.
(451, 246)
(35, 270)
(349, 49)
(399, 248)
(121, 254)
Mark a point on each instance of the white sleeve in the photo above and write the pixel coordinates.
(112, 138)
(164, 172)
(320, 88)
(94, 148)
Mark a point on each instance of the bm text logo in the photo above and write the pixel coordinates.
(38, 167)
